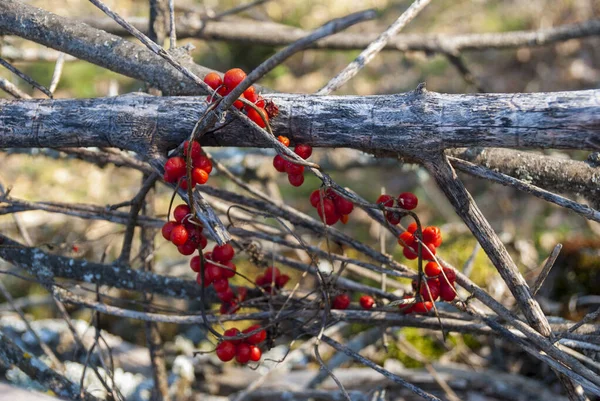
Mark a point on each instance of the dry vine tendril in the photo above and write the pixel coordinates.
(215, 268)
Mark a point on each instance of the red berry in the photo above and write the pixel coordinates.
(180, 212)
(407, 200)
(238, 104)
(212, 272)
(230, 271)
(194, 233)
(213, 80)
(228, 308)
(315, 197)
(279, 163)
(449, 274)
(409, 253)
(203, 242)
(327, 212)
(304, 151)
(223, 253)
(385, 200)
(432, 269)
(179, 235)
(250, 93)
(447, 292)
(293, 168)
(195, 263)
(343, 206)
(255, 353)
(242, 293)
(202, 162)
(282, 280)
(242, 353)
(223, 91)
(434, 289)
(175, 167)
(168, 178)
(183, 184)
(284, 140)
(367, 302)
(271, 273)
(393, 217)
(196, 149)
(412, 227)
(428, 251)
(221, 285)
(406, 239)
(422, 307)
(227, 295)
(296, 180)
(256, 117)
(258, 337)
(342, 301)
(233, 332)
(233, 77)
(187, 249)
(167, 228)
(432, 235)
(261, 281)
(199, 280)
(252, 96)
(199, 176)
(225, 351)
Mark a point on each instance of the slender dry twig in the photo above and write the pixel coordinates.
(482, 172)
(12, 89)
(58, 68)
(136, 205)
(546, 270)
(25, 77)
(374, 48)
(273, 34)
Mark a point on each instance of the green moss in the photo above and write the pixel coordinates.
(458, 250)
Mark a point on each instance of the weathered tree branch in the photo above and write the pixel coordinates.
(31, 259)
(552, 173)
(98, 47)
(11, 354)
(404, 123)
(274, 34)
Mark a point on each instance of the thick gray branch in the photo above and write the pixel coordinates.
(552, 173)
(96, 46)
(404, 123)
(34, 260)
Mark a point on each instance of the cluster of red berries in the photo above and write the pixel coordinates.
(342, 301)
(439, 284)
(218, 269)
(185, 231)
(406, 201)
(175, 167)
(264, 109)
(272, 280)
(294, 171)
(432, 239)
(244, 350)
(331, 206)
